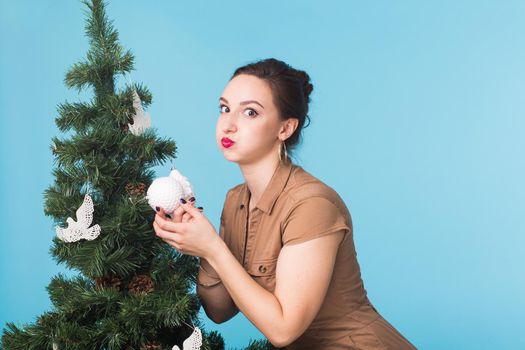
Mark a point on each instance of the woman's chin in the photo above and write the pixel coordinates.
(229, 156)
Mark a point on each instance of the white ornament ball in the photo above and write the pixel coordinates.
(165, 193)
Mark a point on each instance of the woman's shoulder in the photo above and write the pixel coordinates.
(302, 185)
(310, 208)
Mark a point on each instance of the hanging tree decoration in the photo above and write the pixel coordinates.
(165, 192)
(193, 342)
(77, 230)
(141, 119)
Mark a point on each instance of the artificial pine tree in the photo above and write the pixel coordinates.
(132, 290)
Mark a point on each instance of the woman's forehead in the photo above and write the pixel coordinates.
(247, 87)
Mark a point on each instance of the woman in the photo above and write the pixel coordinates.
(284, 255)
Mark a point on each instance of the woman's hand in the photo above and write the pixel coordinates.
(179, 214)
(189, 231)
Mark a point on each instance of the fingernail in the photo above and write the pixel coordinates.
(183, 201)
(158, 209)
(192, 199)
(200, 208)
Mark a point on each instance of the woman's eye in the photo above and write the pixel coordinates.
(220, 107)
(252, 110)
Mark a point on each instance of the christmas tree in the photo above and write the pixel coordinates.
(132, 290)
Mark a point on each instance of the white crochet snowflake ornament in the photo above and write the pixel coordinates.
(77, 230)
(165, 192)
(193, 342)
(141, 120)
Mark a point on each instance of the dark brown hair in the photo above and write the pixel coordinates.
(291, 89)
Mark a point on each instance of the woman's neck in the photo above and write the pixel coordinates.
(257, 176)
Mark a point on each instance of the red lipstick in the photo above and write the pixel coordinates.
(226, 142)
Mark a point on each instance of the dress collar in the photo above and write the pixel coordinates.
(274, 188)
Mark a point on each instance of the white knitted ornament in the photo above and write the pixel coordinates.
(141, 120)
(165, 192)
(193, 342)
(77, 230)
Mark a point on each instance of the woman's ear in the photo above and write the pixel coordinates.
(289, 127)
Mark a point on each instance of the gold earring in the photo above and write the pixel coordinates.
(283, 144)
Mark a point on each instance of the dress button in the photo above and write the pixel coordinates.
(262, 268)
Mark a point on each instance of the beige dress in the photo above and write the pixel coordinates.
(296, 207)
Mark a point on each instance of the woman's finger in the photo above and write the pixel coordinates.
(190, 208)
(170, 225)
(163, 233)
(186, 217)
(174, 245)
(177, 214)
(160, 212)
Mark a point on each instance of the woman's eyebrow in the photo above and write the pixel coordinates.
(244, 102)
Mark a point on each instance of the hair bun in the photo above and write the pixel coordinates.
(307, 85)
(308, 88)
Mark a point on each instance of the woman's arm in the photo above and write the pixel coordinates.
(300, 288)
(215, 299)
(311, 235)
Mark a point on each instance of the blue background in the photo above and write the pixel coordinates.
(417, 121)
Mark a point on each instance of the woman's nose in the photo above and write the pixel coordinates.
(229, 123)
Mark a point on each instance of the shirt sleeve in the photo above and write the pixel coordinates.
(311, 218)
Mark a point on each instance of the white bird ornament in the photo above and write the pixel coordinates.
(77, 230)
(141, 120)
(193, 342)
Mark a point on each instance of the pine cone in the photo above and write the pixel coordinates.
(136, 189)
(107, 281)
(141, 284)
(124, 127)
(150, 346)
